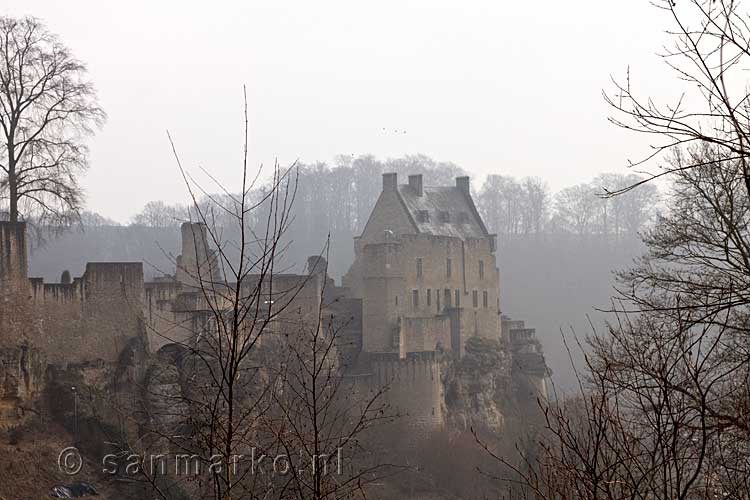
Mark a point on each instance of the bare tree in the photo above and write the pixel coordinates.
(535, 204)
(665, 389)
(47, 108)
(321, 417)
(257, 362)
(575, 209)
(709, 53)
(159, 214)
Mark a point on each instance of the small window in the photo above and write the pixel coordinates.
(437, 299)
(429, 297)
(448, 269)
(463, 218)
(415, 298)
(485, 299)
(423, 216)
(444, 216)
(475, 299)
(396, 299)
(419, 268)
(458, 298)
(481, 269)
(447, 296)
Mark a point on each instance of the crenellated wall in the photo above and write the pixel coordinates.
(413, 389)
(95, 316)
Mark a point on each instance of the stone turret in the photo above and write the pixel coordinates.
(197, 263)
(13, 259)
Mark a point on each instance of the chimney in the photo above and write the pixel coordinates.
(390, 182)
(415, 182)
(462, 183)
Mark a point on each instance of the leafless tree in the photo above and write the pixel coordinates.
(47, 108)
(575, 209)
(263, 409)
(535, 204)
(159, 214)
(665, 390)
(708, 51)
(321, 417)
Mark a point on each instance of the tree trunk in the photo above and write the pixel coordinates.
(12, 182)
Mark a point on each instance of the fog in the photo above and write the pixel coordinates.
(493, 87)
(449, 249)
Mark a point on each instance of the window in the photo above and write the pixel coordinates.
(463, 218)
(423, 216)
(447, 296)
(475, 298)
(397, 300)
(448, 268)
(444, 216)
(458, 298)
(419, 268)
(415, 298)
(429, 297)
(481, 269)
(485, 299)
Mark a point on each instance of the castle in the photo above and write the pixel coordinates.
(423, 283)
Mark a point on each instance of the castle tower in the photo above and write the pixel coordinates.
(196, 264)
(14, 268)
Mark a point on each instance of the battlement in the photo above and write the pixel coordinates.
(413, 388)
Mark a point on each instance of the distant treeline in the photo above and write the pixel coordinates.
(337, 200)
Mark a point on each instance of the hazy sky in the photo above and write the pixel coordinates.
(496, 87)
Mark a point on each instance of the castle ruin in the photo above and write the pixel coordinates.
(424, 282)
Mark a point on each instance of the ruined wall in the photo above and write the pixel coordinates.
(112, 309)
(16, 321)
(196, 264)
(413, 391)
(21, 382)
(13, 257)
(529, 365)
(344, 319)
(172, 315)
(92, 318)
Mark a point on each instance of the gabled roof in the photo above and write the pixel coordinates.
(463, 219)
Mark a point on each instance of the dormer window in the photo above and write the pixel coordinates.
(444, 216)
(423, 216)
(463, 218)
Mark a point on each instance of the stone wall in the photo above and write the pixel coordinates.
(431, 333)
(408, 277)
(413, 391)
(95, 316)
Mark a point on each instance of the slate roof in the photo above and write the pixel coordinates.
(464, 220)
